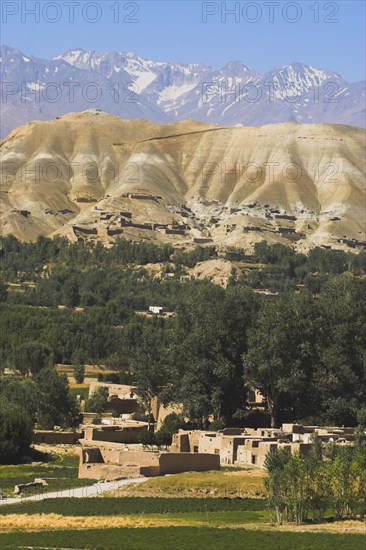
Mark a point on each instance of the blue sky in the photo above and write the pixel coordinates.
(324, 34)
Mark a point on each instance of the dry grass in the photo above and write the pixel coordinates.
(47, 522)
(91, 373)
(251, 472)
(71, 450)
(244, 484)
(79, 386)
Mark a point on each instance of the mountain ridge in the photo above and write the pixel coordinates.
(134, 87)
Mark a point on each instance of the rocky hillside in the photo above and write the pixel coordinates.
(95, 176)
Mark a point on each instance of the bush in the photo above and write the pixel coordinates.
(124, 377)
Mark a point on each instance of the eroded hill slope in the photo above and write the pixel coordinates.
(96, 176)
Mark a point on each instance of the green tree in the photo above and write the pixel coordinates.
(276, 482)
(78, 368)
(70, 291)
(171, 424)
(359, 470)
(316, 481)
(343, 483)
(340, 375)
(146, 438)
(280, 358)
(209, 338)
(15, 431)
(98, 401)
(314, 283)
(163, 438)
(262, 252)
(149, 365)
(57, 406)
(22, 393)
(3, 293)
(327, 261)
(32, 357)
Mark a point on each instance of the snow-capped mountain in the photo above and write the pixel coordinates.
(40, 89)
(294, 93)
(160, 82)
(132, 87)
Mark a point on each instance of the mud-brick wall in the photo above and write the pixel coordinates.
(100, 471)
(124, 406)
(173, 463)
(56, 438)
(114, 434)
(111, 463)
(131, 458)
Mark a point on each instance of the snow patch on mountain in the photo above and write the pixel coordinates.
(164, 91)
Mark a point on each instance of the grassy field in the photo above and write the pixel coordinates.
(146, 523)
(224, 483)
(59, 470)
(131, 506)
(177, 538)
(91, 371)
(162, 517)
(80, 389)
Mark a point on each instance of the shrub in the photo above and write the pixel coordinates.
(123, 377)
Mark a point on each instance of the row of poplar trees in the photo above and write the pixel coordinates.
(329, 480)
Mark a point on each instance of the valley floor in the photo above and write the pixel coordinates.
(210, 510)
(137, 523)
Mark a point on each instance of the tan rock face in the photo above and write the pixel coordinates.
(297, 184)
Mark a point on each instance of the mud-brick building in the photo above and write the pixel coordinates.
(248, 446)
(254, 451)
(113, 463)
(125, 432)
(123, 399)
(224, 444)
